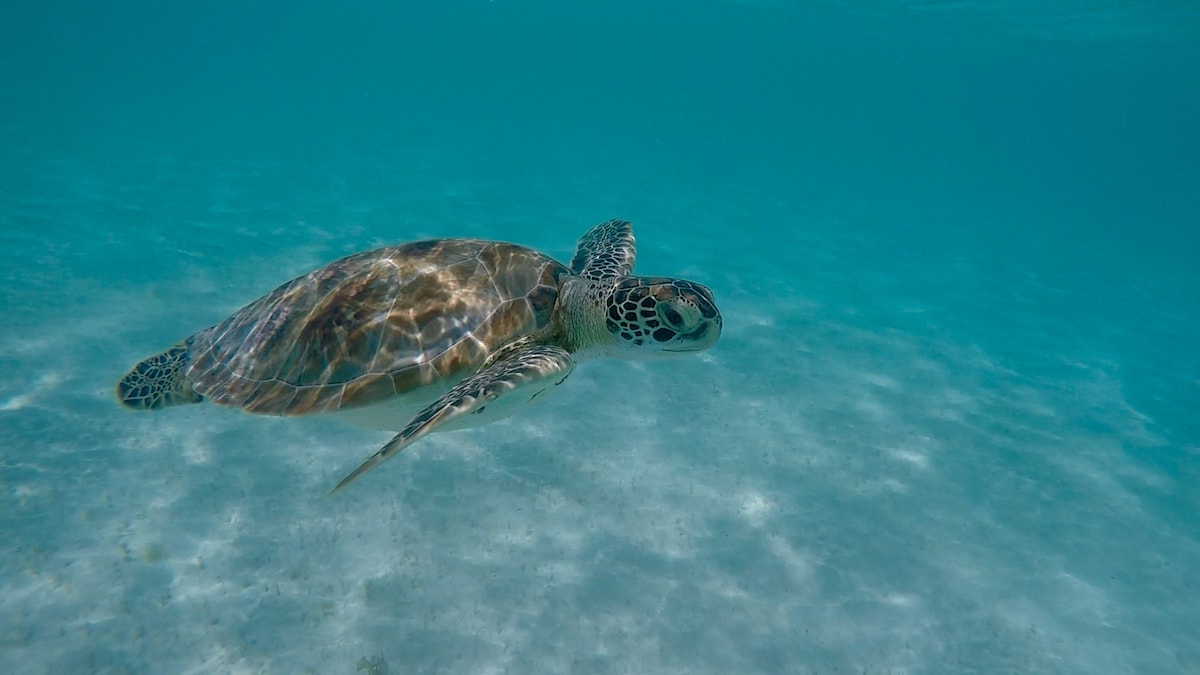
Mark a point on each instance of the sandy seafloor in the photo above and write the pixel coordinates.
(921, 445)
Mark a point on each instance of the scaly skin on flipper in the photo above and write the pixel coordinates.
(606, 251)
(536, 367)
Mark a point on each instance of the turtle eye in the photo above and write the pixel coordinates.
(671, 316)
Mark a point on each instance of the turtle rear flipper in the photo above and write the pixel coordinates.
(158, 382)
(499, 390)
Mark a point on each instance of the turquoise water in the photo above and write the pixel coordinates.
(953, 423)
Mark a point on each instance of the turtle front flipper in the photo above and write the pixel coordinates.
(158, 382)
(497, 391)
(605, 252)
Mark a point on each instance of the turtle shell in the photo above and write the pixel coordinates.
(374, 325)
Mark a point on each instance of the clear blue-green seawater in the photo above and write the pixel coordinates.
(953, 423)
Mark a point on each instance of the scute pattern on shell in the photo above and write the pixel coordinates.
(376, 324)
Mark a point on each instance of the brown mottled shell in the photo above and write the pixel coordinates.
(374, 325)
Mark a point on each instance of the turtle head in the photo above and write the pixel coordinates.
(660, 316)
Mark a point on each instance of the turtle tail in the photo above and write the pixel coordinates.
(158, 382)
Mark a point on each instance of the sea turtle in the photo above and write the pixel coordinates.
(430, 336)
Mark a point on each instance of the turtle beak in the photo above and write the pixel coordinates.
(709, 330)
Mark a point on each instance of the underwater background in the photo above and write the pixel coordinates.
(953, 423)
